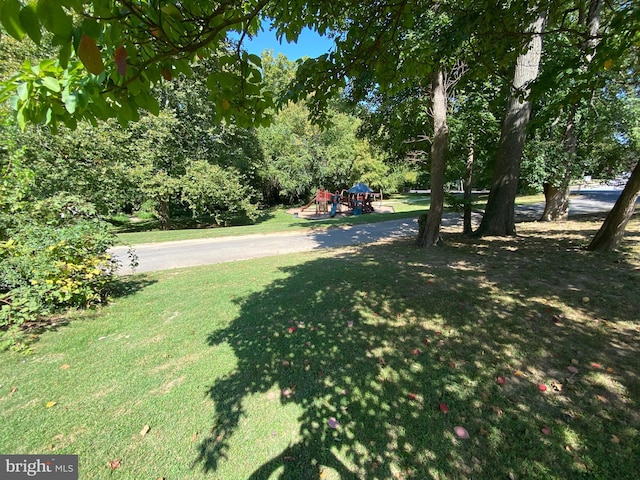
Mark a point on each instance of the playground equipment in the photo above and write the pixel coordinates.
(358, 199)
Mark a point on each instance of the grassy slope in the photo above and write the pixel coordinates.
(237, 367)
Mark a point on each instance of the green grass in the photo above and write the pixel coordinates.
(237, 367)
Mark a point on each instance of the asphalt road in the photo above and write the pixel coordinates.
(189, 253)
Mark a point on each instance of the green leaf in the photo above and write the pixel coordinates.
(23, 91)
(91, 27)
(11, 19)
(51, 83)
(30, 22)
(54, 18)
(71, 102)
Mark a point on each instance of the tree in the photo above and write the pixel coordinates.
(499, 217)
(111, 53)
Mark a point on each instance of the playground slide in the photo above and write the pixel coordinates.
(332, 213)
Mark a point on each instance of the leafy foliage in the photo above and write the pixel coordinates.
(54, 256)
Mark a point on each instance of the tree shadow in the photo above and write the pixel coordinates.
(385, 349)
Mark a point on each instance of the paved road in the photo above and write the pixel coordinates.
(189, 253)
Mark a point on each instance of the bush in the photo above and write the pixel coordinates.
(55, 258)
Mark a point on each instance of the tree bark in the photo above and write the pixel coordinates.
(162, 212)
(467, 228)
(611, 232)
(430, 236)
(556, 206)
(499, 216)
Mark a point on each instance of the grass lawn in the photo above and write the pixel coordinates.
(351, 363)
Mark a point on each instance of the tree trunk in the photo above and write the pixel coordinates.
(163, 213)
(611, 232)
(499, 216)
(430, 236)
(467, 228)
(556, 206)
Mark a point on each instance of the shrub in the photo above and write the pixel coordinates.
(55, 258)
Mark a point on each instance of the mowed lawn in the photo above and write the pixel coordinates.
(368, 362)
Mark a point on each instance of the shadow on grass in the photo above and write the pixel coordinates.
(379, 338)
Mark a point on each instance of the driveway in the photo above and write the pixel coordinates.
(190, 253)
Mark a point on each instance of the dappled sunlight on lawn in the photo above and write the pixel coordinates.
(375, 358)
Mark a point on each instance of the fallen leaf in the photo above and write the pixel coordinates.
(412, 396)
(438, 333)
(51, 404)
(145, 430)
(595, 365)
(542, 387)
(194, 437)
(65, 366)
(292, 329)
(575, 361)
(13, 390)
(501, 380)
(572, 369)
(546, 430)
(615, 439)
(113, 464)
(444, 408)
(286, 392)
(416, 351)
(426, 341)
(461, 432)
(602, 398)
(350, 323)
(518, 373)
(285, 363)
(610, 370)
(333, 423)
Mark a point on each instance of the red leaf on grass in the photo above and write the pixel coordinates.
(292, 329)
(461, 432)
(444, 408)
(412, 396)
(501, 380)
(546, 431)
(542, 387)
(113, 464)
(333, 423)
(416, 351)
(595, 365)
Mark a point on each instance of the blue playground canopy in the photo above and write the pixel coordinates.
(360, 188)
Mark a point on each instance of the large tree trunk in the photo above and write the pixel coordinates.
(612, 230)
(430, 235)
(467, 228)
(499, 217)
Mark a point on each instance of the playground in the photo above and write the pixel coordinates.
(358, 200)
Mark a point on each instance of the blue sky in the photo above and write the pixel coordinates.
(309, 44)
